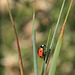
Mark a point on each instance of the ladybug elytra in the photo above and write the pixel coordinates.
(41, 51)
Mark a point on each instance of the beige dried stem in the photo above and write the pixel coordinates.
(18, 46)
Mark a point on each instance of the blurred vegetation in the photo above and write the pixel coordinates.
(47, 12)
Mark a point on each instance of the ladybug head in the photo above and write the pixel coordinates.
(42, 46)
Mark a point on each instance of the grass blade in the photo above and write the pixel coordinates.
(54, 34)
(48, 41)
(57, 24)
(47, 48)
(55, 57)
(48, 45)
(58, 46)
(42, 70)
(34, 45)
(18, 46)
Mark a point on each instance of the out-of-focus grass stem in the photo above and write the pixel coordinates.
(34, 44)
(18, 46)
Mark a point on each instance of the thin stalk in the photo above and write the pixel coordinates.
(18, 46)
(66, 17)
(47, 47)
(34, 44)
(42, 70)
(57, 24)
(58, 46)
(48, 41)
(54, 33)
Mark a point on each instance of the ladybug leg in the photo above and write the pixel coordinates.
(44, 54)
(48, 55)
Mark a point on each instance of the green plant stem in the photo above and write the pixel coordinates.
(53, 35)
(55, 56)
(42, 70)
(58, 46)
(18, 46)
(48, 41)
(57, 24)
(34, 44)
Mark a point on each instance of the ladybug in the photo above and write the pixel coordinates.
(42, 51)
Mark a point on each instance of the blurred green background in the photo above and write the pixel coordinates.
(47, 12)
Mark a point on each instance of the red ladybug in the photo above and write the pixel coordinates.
(41, 51)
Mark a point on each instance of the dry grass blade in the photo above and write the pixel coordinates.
(18, 46)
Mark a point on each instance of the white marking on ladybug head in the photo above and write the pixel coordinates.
(42, 45)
